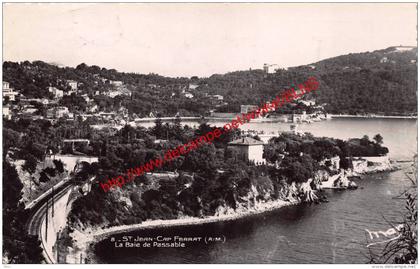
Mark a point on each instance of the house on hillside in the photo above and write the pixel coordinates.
(6, 113)
(59, 112)
(307, 102)
(56, 92)
(193, 86)
(116, 83)
(249, 149)
(72, 84)
(218, 97)
(8, 92)
(188, 95)
(117, 92)
(384, 60)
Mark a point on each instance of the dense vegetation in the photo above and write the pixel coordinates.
(18, 246)
(354, 83)
(211, 178)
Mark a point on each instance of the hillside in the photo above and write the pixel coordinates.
(383, 82)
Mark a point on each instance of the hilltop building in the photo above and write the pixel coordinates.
(270, 68)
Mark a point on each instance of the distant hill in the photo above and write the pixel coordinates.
(383, 81)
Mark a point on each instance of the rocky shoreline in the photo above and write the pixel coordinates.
(85, 240)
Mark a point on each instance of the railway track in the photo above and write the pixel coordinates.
(37, 217)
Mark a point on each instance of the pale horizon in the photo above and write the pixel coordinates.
(193, 39)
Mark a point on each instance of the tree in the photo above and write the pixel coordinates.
(298, 169)
(158, 129)
(59, 165)
(30, 164)
(378, 139)
(18, 246)
(43, 177)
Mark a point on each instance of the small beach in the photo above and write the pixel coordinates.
(84, 240)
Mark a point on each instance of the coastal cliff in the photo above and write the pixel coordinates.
(221, 187)
(254, 202)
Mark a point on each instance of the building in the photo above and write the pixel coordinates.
(249, 149)
(298, 118)
(26, 101)
(56, 92)
(44, 101)
(116, 83)
(8, 93)
(93, 108)
(119, 91)
(308, 102)
(384, 60)
(113, 94)
(270, 68)
(86, 98)
(59, 112)
(188, 95)
(6, 113)
(67, 143)
(332, 163)
(403, 48)
(72, 84)
(218, 97)
(107, 115)
(70, 92)
(247, 108)
(29, 109)
(193, 86)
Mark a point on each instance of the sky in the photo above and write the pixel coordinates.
(197, 39)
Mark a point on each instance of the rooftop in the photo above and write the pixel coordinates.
(246, 141)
